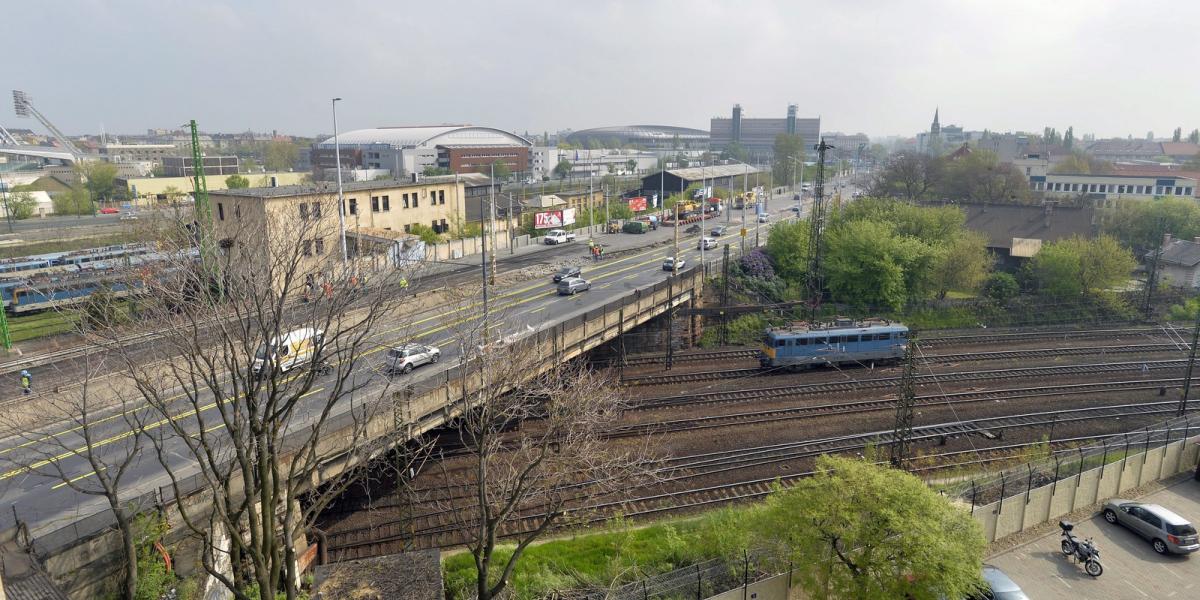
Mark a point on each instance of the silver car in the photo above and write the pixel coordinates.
(573, 285)
(999, 586)
(1167, 531)
(410, 356)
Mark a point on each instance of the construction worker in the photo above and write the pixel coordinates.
(26, 382)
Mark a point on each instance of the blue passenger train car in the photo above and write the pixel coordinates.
(807, 345)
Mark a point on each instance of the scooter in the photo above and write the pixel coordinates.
(1084, 551)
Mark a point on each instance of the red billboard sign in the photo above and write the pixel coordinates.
(548, 220)
(637, 204)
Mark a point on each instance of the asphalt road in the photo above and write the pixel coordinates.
(58, 223)
(46, 503)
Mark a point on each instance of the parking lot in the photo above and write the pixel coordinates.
(1132, 570)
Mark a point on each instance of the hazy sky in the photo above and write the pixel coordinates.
(876, 66)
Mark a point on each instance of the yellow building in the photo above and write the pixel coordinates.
(274, 223)
(156, 188)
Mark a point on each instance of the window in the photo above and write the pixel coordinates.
(445, 227)
(436, 228)
(414, 200)
(441, 196)
(386, 205)
(320, 244)
(1178, 191)
(220, 211)
(780, 343)
(303, 211)
(405, 200)
(802, 341)
(306, 248)
(408, 228)
(237, 211)
(353, 206)
(316, 210)
(850, 339)
(374, 203)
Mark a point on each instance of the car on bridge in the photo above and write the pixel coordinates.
(404, 359)
(673, 263)
(573, 285)
(566, 273)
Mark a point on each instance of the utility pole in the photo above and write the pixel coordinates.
(725, 297)
(337, 152)
(816, 227)
(508, 223)
(492, 222)
(1151, 276)
(483, 267)
(1187, 377)
(675, 253)
(905, 400)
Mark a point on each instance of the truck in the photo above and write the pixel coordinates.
(613, 226)
(636, 227)
(558, 236)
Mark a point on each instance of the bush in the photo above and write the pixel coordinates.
(1001, 287)
(102, 309)
(426, 233)
(757, 264)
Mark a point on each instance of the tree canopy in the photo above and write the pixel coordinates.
(1077, 266)
(788, 156)
(1139, 224)
(99, 177)
(981, 177)
(858, 530)
(562, 169)
(280, 155)
(236, 182)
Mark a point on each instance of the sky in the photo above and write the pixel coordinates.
(1111, 68)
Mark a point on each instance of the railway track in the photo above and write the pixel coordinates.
(1034, 353)
(438, 529)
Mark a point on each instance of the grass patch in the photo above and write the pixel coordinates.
(617, 555)
(33, 326)
(82, 243)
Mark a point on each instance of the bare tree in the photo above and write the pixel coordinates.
(521, 483)
(90, 447)
(276, 395)
(909, 175)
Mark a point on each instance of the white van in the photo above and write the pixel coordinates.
(288, 351)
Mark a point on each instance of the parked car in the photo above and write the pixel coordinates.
(673, 264)
(108, 210)
(565, 273)
(706, 243)
(719, 230)
(1166, 531)
(558, 236)
(763, 218)
(999, 586)
(405, 358)
(573, 285)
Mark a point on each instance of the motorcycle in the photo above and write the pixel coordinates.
(1084, 551)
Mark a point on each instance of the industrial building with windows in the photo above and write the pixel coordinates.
(757, 136)
(401, 151)
(663, 138)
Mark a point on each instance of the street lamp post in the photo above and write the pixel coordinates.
(337, 152)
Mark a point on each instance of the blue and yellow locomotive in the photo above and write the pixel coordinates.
(806, 345)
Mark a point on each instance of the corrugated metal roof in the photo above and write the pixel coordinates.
(697, 173)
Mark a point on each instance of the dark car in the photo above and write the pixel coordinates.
(719, 230)
(566, 272)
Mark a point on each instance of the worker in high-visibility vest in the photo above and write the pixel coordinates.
(26, 382)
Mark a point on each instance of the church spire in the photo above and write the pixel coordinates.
(936, 128)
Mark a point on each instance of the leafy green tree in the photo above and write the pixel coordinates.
(858, 530)
(20, 205)
(1193, 163)
(735, 151)
(99, 177)
(930, 224)
(1194, 136)
(682, 160)
(1078, 266)
(1080, 163)
(426, 233)
(432, 171)
(981, 177)
(631, 166)
(868, 264)
(280, 155)
(1139, 224)
(788, 156)
(500, 170)
(961, 264)
(1177, 135)
(236, 182)
(249, 165)
(75, 202)
(787, 246)
(1001, 287)
(1069, 138)
(562, 169)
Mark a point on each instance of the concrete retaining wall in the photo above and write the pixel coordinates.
(1050, 502)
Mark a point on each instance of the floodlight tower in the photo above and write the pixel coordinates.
(23, 106)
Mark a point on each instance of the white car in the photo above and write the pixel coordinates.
(706, 243)
(405, 358)
(673, 264)
(558, 236)
(763, 218)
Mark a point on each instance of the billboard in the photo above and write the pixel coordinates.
(547, 220)
(637, 204)
(553, 219)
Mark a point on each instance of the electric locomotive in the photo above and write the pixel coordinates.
(805, 345)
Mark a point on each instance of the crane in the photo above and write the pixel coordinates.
(23, 106)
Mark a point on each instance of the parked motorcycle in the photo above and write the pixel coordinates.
(1084, 551)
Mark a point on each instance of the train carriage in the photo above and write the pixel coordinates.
(805, 345)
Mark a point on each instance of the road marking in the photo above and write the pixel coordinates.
(84, 476)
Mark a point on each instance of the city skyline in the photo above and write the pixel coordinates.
(872, 67)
